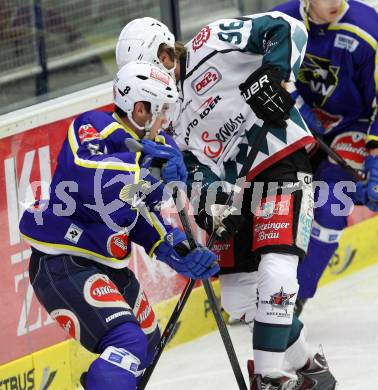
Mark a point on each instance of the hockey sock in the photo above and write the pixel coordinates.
(313, 265)
(277, 288)
(298, 351)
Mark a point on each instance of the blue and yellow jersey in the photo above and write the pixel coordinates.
(100, 198)
(339, 75)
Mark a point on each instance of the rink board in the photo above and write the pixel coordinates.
(59, 367)
(357, 250)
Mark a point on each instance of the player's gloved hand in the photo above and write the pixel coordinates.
(268, 99)
(199, 263)
(170, 159)
(312, 121)
(224, 220)
(367, 191)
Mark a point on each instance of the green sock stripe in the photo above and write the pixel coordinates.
(295, 331)
(270, 337)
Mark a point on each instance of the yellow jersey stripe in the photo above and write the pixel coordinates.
(120, 166)
(371, 137)
(159, 227)
(111, 128)
(72, 249)
(125, 127)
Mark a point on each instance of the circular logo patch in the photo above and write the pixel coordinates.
(145, 314)
(117, 245)
(100, 291)
(68, 321)
(201, 38)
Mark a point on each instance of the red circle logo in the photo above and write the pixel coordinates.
(201, 38)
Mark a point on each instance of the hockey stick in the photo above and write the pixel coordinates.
(132, 145)
(206, 283)
(358, 175)
(135, 146)
(227, 342)
(179, 307)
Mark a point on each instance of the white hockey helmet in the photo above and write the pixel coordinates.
(140, 40)
(141, 81)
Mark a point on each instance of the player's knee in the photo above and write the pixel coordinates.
(123, 352)
(115, 368)
(278, 269)
(128, 336)
(122, 358)
(239, 295)
(324, 234)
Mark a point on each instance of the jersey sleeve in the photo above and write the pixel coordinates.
(149, 231)
(88, 150)
(280, 39)
(89, 161)
(89, 144)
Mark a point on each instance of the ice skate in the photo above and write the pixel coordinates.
(266, 383)
(257, 382)
(316, 376)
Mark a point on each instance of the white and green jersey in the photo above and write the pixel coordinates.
(215, 124)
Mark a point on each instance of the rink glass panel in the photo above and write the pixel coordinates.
(50, 48)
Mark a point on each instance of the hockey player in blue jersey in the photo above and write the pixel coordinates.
(337, 96)
(102, 199)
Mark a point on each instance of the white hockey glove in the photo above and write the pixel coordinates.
(224, 221)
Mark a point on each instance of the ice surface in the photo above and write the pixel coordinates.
(343, 317)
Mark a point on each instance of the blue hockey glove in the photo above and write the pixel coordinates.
(367, 191)
(312, 121)
(200, 263)
(173, 166)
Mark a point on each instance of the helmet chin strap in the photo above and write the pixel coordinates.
(131, 119)
(146, 128)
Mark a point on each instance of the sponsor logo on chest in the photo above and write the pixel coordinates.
(203, 111)
(343, 41)
(207, 80)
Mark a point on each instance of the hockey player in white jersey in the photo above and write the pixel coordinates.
(232, 62)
